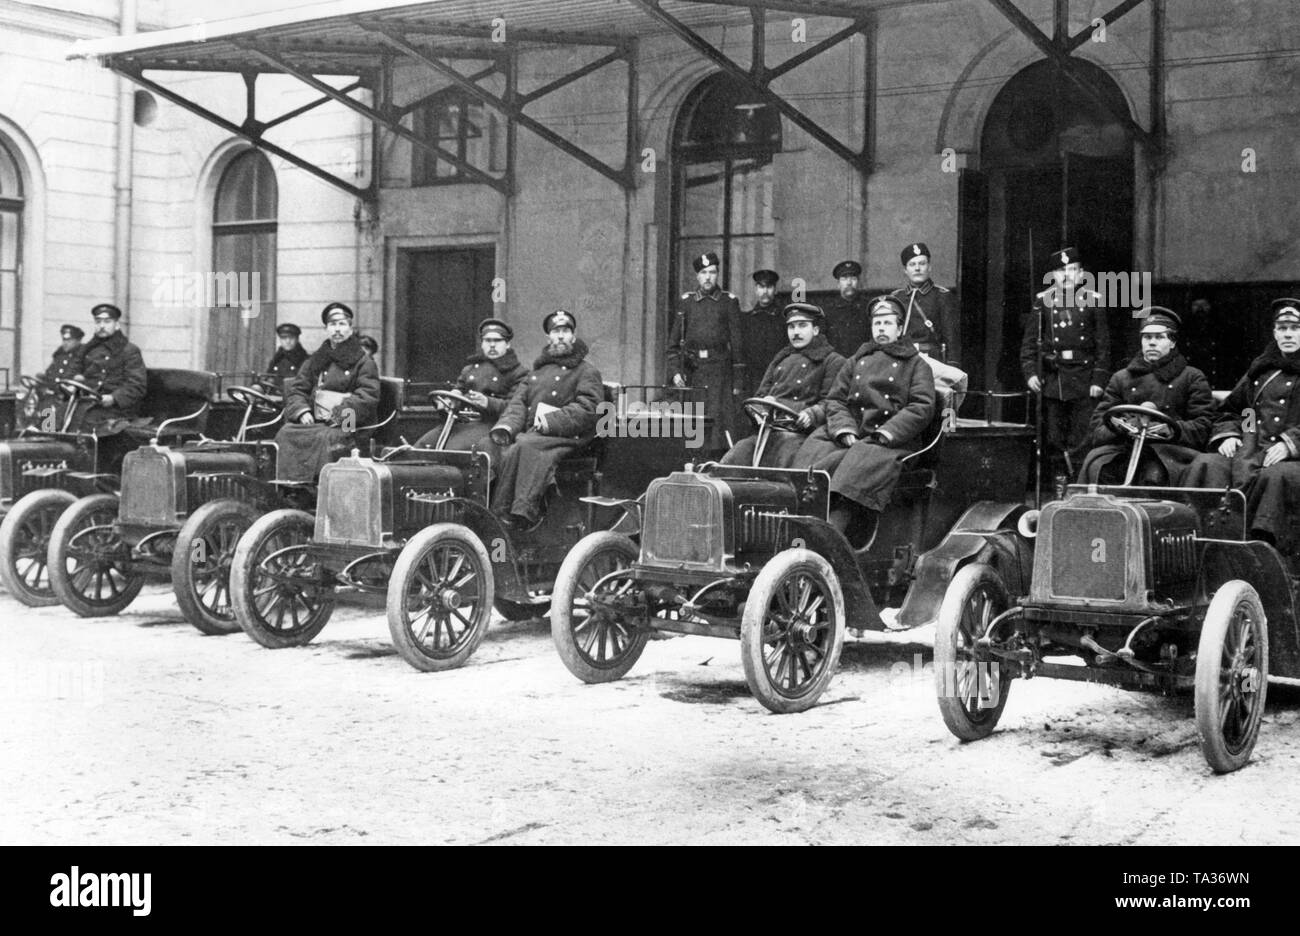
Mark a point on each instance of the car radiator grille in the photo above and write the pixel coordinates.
(148, 489)
(52, 474)
(762, 527)
(1089, 554)
(202, 489)
(422, 513)
(344, 513)
(1175, 556)
(682, 524)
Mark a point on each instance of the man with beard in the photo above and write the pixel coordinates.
(930, 317)
(288, 357)
(848, 315)
(489, 379)
(1256, 439)
(1160, 379)
(705, 345)
(762, 329)
(114, 367)
(882, 401)
(553, 412)
(801, 376)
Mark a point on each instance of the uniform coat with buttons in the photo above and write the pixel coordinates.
(704, 347)
(801, 379)
(1177, 390)
(573, 385)
(1262, 410)
(884, 395)
(848, 322)
(345, 368)
(284, 365)
(931, 320)
(65, 364)
(496, 379)
(763, 336)
(114, 365)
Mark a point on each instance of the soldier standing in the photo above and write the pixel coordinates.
(848, 316)
(1075, 361)
(763, 329)
(931, 317)
(704, 344)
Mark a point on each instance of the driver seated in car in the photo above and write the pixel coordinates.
(800, 377)
(1159, 379)
(488, 379)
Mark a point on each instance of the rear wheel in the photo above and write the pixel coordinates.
(89, 562)
(24, 546)
(792, 631)
(276, 591)
(1231, 676)
(972, 689)
(201, 561)
(594, 643)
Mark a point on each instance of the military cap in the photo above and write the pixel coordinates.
(1158, 318)
(557, 318)
(914, 250)
(705, 260)
(766, 277)
(71, 331)
(333, 307)
(805, 310)
(288, 330)
(370, 344)
(494, 326)
(108, 309)
(1286, 310)
(887, 305)
(1064, 257)
(847, 268)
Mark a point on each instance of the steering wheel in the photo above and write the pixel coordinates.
(772, 413)
(248, 396)
(459, 399)
(76, 387)
(33, 383)
(1144, 418)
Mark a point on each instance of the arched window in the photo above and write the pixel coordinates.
(11, 256)
(243, 244)
(723, 146)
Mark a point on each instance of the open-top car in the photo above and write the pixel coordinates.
(748, 552)
(1148, 588)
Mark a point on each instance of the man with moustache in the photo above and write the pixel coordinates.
(705, 345)
(1255, 441)
(848, 315)
(930, 317)
(762, 330)
(1160, 379)
(114, 367)
(800, 376)
(552, 413)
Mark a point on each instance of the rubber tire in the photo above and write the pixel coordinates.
(243, 567)
(567, 583)
(752, 642)
(30, 507)
(405, 569)
(957, 715)
(200, 525)
(1230, 598)
(73, 519)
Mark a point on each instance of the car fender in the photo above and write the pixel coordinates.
(829, 543)
(511, 583)
(1266, 571)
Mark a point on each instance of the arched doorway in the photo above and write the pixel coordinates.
(1056, 168)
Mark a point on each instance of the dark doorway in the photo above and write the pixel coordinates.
(1056, 169)
(442, 295)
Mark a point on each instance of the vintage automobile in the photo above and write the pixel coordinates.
(49, 465)
(415, 524)
(1151, 588)
(747, 552)
(180, 513)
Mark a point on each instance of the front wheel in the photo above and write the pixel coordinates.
(275, 586)
(594, 643)
(90, 563)
(1231, 676)
(24, 546)
(201, 561)
(972, 689)
(792, 631)
(440, 597)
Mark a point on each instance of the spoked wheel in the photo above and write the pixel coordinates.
(972, 689)
(276, 590)
(594, 643)
(440, 597)
(24, 546)
(793, 631)
(1231, 676)
(205, 548)
(89, 562)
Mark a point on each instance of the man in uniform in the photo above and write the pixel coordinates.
(288, 357)
(1160, 379)
(882, 402)
(66, 363)
(762, 328)
(931, 319)
(704, 346)
(1075, 360)
(553, 412)
(114, 367)
(1256, 439)
(848, 316)
(800, 376)
(489, 378)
